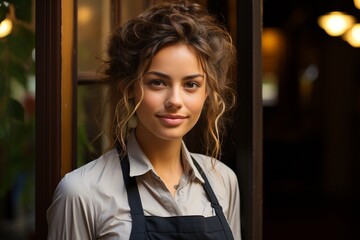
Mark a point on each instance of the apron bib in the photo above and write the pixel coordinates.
(177, 227)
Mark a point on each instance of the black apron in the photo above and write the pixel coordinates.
(178, 227)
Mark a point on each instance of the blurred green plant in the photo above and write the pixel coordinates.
(17, 103)
(85, 147)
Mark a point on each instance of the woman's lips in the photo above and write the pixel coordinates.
(171, 120)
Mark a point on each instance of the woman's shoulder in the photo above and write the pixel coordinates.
(222, 179)
(215, 168)
(96, 173)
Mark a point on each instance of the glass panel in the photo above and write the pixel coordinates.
(130, 8)
(94, 21)
(93, 31)
(90, 122)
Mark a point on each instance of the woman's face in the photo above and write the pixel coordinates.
(174, 94)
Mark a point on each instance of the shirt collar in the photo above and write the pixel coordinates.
(140, 164)
(189, 165)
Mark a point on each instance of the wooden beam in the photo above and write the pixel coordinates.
(55, 101)
(68, 86)
(249, 116)
(48, 111)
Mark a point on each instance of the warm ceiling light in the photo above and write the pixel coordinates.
(357, 4)
(5, 27)
(353, 35)
(84, 14)
(336, 23)
(272, 41)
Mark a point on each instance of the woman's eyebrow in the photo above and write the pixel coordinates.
(163, 75)
(193, 76)
(159, 74)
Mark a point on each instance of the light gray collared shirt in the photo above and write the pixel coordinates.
(91, 201)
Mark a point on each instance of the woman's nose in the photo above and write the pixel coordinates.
(174, 99)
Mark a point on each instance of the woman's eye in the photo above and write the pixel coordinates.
(156, 83)
(192, 85)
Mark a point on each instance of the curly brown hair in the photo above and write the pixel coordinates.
(133, 45)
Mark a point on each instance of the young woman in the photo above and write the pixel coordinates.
(168, 70)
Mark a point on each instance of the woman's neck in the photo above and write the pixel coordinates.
(164, 155)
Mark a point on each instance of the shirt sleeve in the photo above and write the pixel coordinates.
(71, 215)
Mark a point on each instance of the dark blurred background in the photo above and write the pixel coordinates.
(311, 123)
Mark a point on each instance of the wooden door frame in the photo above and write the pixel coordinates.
(249, 116)
(48, 107)
(55, 122)
(50, 139)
